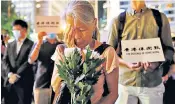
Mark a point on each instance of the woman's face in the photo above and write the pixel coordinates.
(80, 33)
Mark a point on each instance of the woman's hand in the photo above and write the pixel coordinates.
(69, 36)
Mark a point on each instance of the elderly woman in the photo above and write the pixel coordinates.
(81, 23)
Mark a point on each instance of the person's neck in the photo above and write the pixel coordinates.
(138, 5)
(92, 44)
(21, 39)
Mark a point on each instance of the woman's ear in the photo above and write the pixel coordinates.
(94, 24)
(95, 20)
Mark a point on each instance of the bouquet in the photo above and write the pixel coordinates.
(80, 74)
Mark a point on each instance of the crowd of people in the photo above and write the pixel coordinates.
(29, 69)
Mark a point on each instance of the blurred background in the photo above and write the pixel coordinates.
(105, 10)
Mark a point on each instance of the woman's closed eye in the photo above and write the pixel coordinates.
(82, 29)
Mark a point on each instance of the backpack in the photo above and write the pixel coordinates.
(158, 19)
(65, 95)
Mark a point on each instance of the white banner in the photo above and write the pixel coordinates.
(142, 50)
(47, 24)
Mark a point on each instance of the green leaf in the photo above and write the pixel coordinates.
(85, 68)
(88, 54)
(81, 98)
(80, 76)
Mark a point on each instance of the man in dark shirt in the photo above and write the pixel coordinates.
(42, 52)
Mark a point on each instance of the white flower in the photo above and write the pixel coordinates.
(95, 55)
(69, 51)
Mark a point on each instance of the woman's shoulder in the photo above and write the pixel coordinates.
(60, 48)
(107, 49)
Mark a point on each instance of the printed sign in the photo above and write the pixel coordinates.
(142, 50)
(47, 23)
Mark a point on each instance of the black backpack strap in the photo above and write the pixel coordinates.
(158, 19)
(121, 25)
(101, 48)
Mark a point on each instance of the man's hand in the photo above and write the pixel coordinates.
(150, 66)
(41, 35)
(165, 78)
(13, 78)
(135, 66)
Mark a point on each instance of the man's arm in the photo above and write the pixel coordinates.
(15, 76)
(5, 64)
(113, 33)
(113, 37)
(35, 51)
(23, 67)
(26, 64)
(166, 38)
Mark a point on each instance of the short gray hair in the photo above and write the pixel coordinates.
(81, 10)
